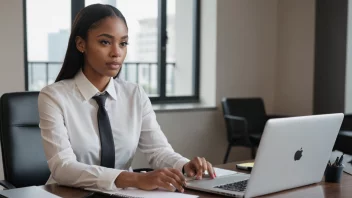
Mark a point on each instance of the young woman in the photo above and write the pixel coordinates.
(92, 122)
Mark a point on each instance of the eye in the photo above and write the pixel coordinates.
(105, 42)
(123, 44)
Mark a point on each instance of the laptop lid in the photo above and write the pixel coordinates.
(293, 152)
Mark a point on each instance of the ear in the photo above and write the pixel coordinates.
(80, 44)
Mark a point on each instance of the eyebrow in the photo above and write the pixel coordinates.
(106, 35)
(110, 36)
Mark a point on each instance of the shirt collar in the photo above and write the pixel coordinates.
(88, 90)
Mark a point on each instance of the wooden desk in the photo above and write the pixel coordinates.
(322, 189)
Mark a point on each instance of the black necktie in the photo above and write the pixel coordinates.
(106, 138)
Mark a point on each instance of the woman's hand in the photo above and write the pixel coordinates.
(161, 178)
(197, 166)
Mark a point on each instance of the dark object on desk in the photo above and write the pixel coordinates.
(21, 143)
(245, 120)
(339, 163)
(22, 149)
(343, 141)
(333, 173)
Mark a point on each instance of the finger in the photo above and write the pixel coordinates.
(176, 175)
(211, 170)
(205, 164)
(190, 172)
(172, 181)
(199, 167)
(165, 185)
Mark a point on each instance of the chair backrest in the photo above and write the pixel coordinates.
(244, 107)
(347, 123)
(22, 149)
(250, 108)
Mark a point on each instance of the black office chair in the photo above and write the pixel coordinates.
(343, 141)
(245, 120)
(22, 149)
(21, 143)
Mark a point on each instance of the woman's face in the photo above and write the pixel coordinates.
(105, 48)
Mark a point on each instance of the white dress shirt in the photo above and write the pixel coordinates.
(69, 129)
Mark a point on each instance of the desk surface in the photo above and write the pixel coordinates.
(322, 189)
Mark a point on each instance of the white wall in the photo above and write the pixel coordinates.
(11, 46)
(246, 49)
(239, 53)
(295, 63)
(348, 81)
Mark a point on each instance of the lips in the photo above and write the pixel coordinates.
(113, 65)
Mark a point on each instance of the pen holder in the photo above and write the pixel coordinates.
(333, 173)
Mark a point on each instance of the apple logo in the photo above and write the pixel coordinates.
(298, 155)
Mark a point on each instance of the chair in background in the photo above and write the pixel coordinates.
(245, 120)
(21, 144)
(23, 155)
(343, 141)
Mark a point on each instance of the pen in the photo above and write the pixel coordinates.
(336, 161)
(340, 161)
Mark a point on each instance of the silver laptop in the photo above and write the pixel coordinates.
(293, 152)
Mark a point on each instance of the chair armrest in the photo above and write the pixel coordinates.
(238, 118)
(6, 184)
(245, 125)
(231, 117)
(138, 170)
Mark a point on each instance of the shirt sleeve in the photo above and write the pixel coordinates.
(153, 142)
(63, 164)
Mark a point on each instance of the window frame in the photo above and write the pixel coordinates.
(77, 5)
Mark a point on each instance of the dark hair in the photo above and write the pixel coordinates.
(86, 19)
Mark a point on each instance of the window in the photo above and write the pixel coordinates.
(163, 55)
(47, 39)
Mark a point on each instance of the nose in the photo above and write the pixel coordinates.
(115, 51)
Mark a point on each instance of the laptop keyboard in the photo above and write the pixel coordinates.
(236, 186)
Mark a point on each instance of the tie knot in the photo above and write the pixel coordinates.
(101, 99)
